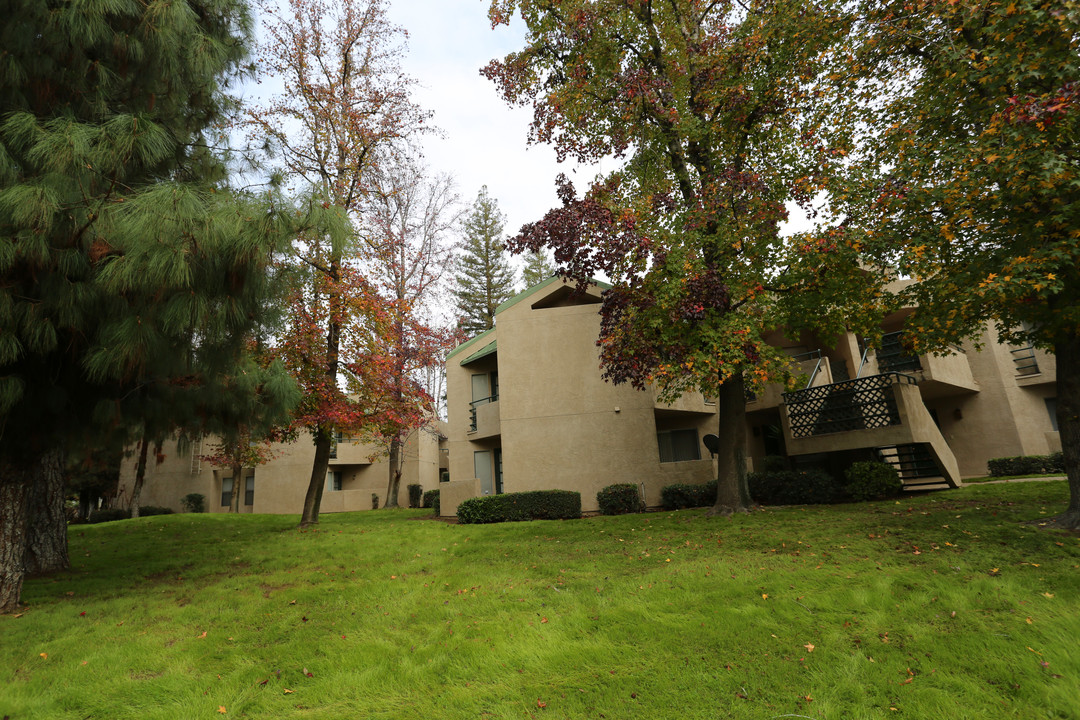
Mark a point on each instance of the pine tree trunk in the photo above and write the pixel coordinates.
(394, 484)
(732, 491)
(15, 483)
(140, 476)
(1067, 350)
(313, 499)
(46, 529)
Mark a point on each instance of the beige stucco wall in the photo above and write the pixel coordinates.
(559, 425)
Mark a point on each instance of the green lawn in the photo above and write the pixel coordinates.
(940, 606)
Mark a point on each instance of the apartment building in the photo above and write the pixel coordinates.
(528, 409)
(356, 480)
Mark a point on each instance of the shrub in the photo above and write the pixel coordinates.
(108, 515)
(510, 507)
(431, 500)
(794, 487)
(774, 463)
(148, 510)
(681, 495)
(620, 499)
(1019, 465)
(872, 481)
(415, 491)
(194, 502)
(1055, 463)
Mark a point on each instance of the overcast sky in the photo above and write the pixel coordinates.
(484, 139)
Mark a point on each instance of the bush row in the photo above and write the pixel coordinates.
(509, 507)
(1027, 465)
(111, 514)
(681, 495)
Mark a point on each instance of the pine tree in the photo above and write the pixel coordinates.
(538, 268)
(130, 276)
(484, 279)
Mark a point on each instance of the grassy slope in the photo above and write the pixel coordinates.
(666, 615)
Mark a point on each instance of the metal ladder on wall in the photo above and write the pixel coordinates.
(196, 456)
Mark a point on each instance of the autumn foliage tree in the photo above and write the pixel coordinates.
(344, 107)
(709, 103)
(971, 176)
(407, 224)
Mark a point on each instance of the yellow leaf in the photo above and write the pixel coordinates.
(809, 647)
(221, 709)
(44, 656)
(288, 691)
(1049, 595)
(764, 596)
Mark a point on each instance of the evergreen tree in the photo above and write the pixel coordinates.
(538, 268)
(130, 276)
(484, 279)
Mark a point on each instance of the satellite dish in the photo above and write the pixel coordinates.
(712, 443)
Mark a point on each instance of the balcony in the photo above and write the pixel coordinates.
(936, 375)
(484, 418)
(877, 411)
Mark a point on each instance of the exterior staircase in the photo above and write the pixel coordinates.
(916, 465)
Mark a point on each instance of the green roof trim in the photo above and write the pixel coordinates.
(482, 352)
(541, 286)
(470, 343)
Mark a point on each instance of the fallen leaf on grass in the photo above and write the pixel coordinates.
(201, 636)
(288, 691)
(308, 673)
(764, 596)
(44, 656)
(809, 647)
(540, 703)
(1049, 595)
(221, 709)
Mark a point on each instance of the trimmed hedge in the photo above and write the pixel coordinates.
(148, 510)
(108, 515)
(872, 481)
(415, 493)
(431, 500)
(510, 507)
(681, 495)
(620, 499)
(194, 502)
(795, 487)
(1026, 465)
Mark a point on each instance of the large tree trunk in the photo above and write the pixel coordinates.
(46, 529)
(1067, 349)
(732, 492)
(140, 476)
(394, 483)
(313, 499)
(15, 483)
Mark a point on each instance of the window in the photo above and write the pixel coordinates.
(249, 490)
(226, 491)
(1051, 407)
(333, 480)
(444, 476)
(678, 445)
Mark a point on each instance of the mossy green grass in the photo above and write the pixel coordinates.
(946, 605)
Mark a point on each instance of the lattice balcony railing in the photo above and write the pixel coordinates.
(860, 404)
